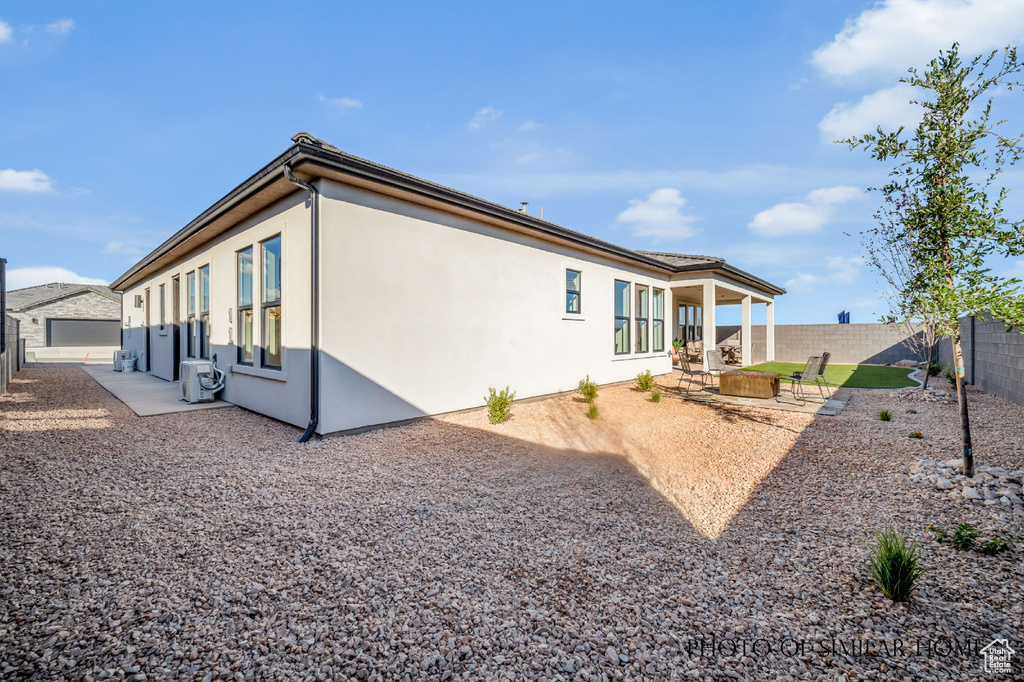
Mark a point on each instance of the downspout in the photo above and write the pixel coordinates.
(314, 325)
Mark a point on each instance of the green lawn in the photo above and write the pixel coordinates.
(849, 376)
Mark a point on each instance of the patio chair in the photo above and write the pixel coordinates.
(809, 375)
(689, 373)
(695, 349)
(716, 363)
(819, 376)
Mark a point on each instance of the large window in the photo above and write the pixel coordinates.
(573, 291)
(204, 312)
(191, 307)
(270, 323)
(658, 323)
(621, 317)
(245, 341)
(643, 311)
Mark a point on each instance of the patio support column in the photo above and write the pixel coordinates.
(769, 332)
(746, 360)
(708, 319)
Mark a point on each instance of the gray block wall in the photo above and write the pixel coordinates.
(83, 306)
(10, 358)
(993, 358)
(849, 344)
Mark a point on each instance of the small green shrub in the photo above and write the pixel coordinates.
(592, 412)
(964, 536)
(499, 405)
(588, 389)
(950, 376)
(645, 381)
(885, 415)
(996, 545)
(911, 410)
(915, 434)
(895, 565)
(934, 369)
(655, 396)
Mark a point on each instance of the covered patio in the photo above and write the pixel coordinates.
(695, 300)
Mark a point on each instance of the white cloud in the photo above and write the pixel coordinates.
(5, 32)
(24, 181)
(529, 126)
(1017, 270)
(802, 282)
(844, 270)
(341, 104)
(486, 115)
(19, 278)
(895, 34)
(121, 249)
(802, 218)
(61, 26)
(659, 216)
(889, 108)
(841, 270)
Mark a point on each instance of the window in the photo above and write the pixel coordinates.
(621, 317)
(191, 307)
(245, 306)
(270, 322)
(204, 312)
(642, 313)
(573, 279)
(658, 325)
(163, 308)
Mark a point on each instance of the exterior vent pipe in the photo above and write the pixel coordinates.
(314, 326)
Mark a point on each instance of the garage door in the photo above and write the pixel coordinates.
(83, 333)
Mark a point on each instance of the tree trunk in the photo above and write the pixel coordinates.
(961, 396)
(928, 367)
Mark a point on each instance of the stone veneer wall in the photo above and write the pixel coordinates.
(86, 305)
(993, 358)
(849, 344)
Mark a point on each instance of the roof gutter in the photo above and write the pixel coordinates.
(314, 296)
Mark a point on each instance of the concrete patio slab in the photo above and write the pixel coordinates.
(144, 394)
(785, 401)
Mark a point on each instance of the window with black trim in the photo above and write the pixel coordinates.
(190, 325)
(573, 291)
(658, 323)
(642, 313)
(245, 339)
(163, 307)
(270, 322)
(621, 317)
(204, 312)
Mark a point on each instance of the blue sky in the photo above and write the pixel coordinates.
(693, 128)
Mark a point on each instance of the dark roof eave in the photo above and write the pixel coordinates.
(228, 201)
(351, 165)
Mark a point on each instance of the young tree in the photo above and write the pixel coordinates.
(891, 255)
(951, 225)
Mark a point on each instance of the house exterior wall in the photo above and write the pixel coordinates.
(423, 311)
(86, 305)
(282, 394)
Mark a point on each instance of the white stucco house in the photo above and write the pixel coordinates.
(339, 294)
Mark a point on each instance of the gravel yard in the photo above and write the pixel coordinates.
(210, 545)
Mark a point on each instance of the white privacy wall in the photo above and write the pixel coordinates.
(423, 310)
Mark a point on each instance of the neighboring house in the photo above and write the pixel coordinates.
(67, 315)
(340, 294)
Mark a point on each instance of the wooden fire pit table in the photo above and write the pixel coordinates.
(749, 384)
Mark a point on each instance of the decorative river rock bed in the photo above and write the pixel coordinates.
(990, 486)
